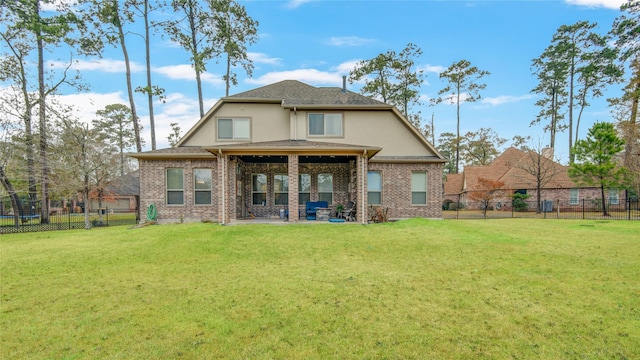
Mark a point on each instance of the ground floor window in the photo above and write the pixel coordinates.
(304, 185)
(418, 188)
(175, 186)
(374, 187)
(259, 189)
(574, 196)
(614, 199)
(281, 189)
(202, 186)
(325, 188)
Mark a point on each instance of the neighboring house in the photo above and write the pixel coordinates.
(274, 148)
(121, 194)
(508, 168)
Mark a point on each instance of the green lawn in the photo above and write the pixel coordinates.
(451, 289)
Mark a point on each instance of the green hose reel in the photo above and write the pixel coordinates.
(152, 213)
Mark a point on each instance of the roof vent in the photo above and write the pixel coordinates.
(344, 84)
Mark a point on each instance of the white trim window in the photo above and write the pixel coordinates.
(374, 188)
(281, 189)
(614, 198)
(175, 186)
(574, 196)
(259, 189)
(202, 186)
(234, 129)
(329, 125)
(325, 188)
(304, 186)
(419, 188)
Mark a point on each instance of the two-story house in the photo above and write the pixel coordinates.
(282, 145)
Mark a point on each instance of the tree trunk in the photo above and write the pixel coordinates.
(152, 123)
(42, 115)
(125, 53)
(16, 205)
(604, 204)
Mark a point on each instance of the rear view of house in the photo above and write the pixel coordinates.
(274, 149)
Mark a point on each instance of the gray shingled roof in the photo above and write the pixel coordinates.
(296, 93)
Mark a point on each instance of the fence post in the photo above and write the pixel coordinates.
(582, 209)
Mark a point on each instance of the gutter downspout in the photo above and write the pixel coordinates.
(224, 180)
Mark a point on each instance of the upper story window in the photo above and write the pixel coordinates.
(325, 124)
(234, 128)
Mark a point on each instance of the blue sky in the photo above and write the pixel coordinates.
(317, 42)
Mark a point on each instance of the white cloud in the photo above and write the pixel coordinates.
(86, 104)
(311, 76)
(504, 99)
(433, 68)
(348, 41)
(611, 4)
(263, 58)
(292, 4)
(104, 65)
(186, 72)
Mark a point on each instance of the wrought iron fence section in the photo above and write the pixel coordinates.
(587, 209)
(30, 221)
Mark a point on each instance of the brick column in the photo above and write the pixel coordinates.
(361, 189)
(293, 188)
(222, 189)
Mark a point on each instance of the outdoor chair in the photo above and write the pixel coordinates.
(349, 212)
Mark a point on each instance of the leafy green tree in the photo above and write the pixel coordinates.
(626, 31)
(143, 9)
(587, 64)
(174, 135)
(235, 30)
(114, 125)
(47, 29)
(596, 160)
(84, 161)
(447, 143)
(112, 20)
(462, 86)
(193, 31)
(480, 147)
(392, 77)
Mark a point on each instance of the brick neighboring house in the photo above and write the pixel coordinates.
(276, 147)
(507, 167)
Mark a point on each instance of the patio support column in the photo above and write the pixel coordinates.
(293, 188)
(361, 190)
(222, 188)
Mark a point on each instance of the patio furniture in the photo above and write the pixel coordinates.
(312, 206)
(349, 212)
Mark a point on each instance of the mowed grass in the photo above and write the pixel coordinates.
(415, 289)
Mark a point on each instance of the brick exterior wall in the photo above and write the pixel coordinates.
(396, 189)
(153, 191)
(348, 179)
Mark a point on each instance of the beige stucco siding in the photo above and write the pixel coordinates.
(371, 128)
(269, 122)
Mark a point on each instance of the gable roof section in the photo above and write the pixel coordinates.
(293, 93)
(507, 168)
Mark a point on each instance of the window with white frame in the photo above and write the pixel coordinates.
(614, 199)
(202, 186)
(175, 186)
(574, 196)
(281, 189)
(374, 187)
(259, 189)
(304, 188)
(325, 124)
(325, 188)
(418, 188)
(234, 128)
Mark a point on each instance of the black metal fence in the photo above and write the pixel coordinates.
(590, 209)
(30, 221)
